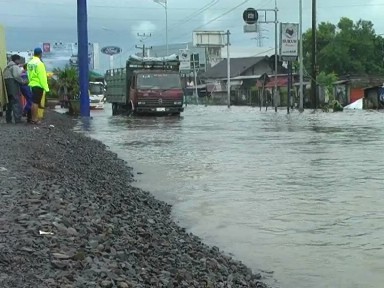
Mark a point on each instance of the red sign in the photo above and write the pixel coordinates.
(46, 47)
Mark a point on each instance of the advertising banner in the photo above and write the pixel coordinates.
(289, 41)
(59, 54)
(185, 60)
(111, 50)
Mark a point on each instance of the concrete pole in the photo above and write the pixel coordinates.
(82, 39)
(314, 56)
(111, 62)
(289, 85)
(164, 3)
(276, 56)
(195, 78)
(301, 90)
(228, 70)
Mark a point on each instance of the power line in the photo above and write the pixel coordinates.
(220, 16)
(191, 16)
(216, 18)
(114, 19)
(114, 6)
(119, 7)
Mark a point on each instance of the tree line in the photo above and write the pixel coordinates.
(348, 48)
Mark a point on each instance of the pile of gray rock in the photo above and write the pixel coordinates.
(69, 217)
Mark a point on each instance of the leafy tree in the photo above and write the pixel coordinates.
(67, 81)
(68, 86)
(346, 48)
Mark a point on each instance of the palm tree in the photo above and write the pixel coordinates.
(67, 85)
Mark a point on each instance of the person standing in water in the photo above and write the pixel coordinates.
(13, 81)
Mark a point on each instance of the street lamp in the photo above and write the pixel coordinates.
(164, 3)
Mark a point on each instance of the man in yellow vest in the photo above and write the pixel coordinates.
(37, 76)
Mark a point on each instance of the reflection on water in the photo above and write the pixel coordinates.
(299, 194)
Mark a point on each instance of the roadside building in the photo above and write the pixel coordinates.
(351, 88)
(245, 73)
(199, 53)
(374, 97)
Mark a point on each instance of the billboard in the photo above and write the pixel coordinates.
(209, 39)
(60, 54)
(289, 41)
(111, 50)
(185, 60)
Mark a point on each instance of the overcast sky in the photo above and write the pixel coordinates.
(117, 22)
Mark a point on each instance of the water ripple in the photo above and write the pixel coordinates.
(299, 194)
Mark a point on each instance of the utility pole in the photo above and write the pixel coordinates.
(164, 3)
(195, 77)
(228, 70)
(260, 36)
(145, 50)
(260, 40)
(314, 56)
(301, 93)
(289, 85)
(142, 48)
(143, 37)
(276, 52)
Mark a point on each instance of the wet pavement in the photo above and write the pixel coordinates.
(298, 195)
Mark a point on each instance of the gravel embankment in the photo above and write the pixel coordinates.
(102, 232)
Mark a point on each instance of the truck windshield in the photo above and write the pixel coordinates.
(96, 89)
(158, 81)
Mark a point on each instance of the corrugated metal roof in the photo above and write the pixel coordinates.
(238, 66)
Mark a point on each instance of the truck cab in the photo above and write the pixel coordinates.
(96, 95)
(146, 86)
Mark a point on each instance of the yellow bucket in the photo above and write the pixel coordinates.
(40, 112)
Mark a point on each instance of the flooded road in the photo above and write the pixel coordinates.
(301, 195)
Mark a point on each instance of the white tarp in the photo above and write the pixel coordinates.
(357, 105)
(170, 58)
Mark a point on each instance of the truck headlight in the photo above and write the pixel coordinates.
(177, 103)
(141, 103)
